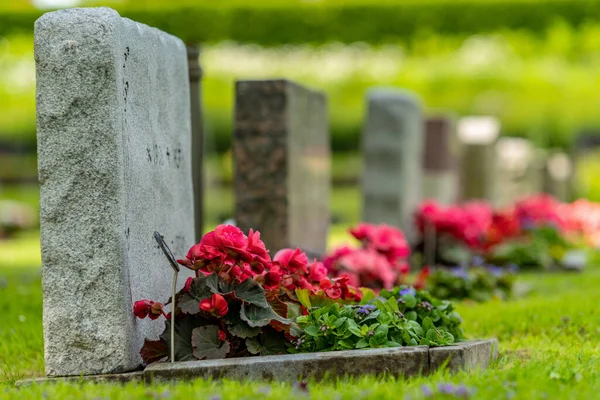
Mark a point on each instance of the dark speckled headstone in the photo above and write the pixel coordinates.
(440, 160)
(282, 163)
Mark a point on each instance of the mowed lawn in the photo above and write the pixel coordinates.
(549, 348)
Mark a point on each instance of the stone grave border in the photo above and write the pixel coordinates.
(400, 361)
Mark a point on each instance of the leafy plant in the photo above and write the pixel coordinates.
(401, 317)
(479, 283)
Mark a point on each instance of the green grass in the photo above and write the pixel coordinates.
(548, 341)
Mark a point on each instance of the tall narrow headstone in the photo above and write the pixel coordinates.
(477, 137)
(113, 125)
(392, 148)
(282, 163)
(440, 161)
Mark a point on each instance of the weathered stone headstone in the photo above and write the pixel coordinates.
(440, 161)
(558, 173)
(519, 170)
(113, 124)
(477, 137)
(282, 163)
(393, 152)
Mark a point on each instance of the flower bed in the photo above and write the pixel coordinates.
(536, 233)
(243, 303)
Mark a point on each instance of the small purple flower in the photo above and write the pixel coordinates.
(427, 392)
(512, 268)
(461, 390)
(366, 309)
(408, 290)
(446, 388)
(526, 223)
(496, 271)
(460, 273)
(477, 260)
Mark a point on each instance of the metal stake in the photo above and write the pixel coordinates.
(163, 245)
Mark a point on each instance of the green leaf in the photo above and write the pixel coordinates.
(269, 343)
(391, 343)
(251, 292)
(392, 304)
(243, 330)
(339, 322)
(413, 342)
(313, 330)
(433, 335)
(409, 300)
(293, 310)
(361, 344)
(207, 345)
(259, 316)
(188, 305)
(303, 296)
(184, 325)
(427, 324)
(253, 346)
(411, 315)
(199, 288)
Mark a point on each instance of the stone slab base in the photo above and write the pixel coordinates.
(400, 361)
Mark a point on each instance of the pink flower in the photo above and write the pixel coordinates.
(257, 249)
(330, 261)
(372, 268)
(317, 271)
(291, 260)
(215, 304)
(363, 231)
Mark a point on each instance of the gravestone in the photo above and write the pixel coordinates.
(392, 149)
(440, 161)
(558, 174)
(113, 125)
(477, 137)
(282, 163)
(519, 170)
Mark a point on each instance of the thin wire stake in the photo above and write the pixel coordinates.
(173, 316)
(161, 242)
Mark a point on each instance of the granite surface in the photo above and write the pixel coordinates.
(113, 125)
(282, 164)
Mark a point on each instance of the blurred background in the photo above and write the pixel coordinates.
(534, 64)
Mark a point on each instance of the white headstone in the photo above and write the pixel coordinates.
(477, 136)
(113, 125)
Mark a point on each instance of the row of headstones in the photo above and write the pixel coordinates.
(115, 165)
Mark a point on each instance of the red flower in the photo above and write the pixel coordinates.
(194, 259)
(330, 261)
(148, 308)
(291, 260)
(336, 288)
(222, 335)
(216, 305)
(188, 284)
(317, 271)
(257, 249)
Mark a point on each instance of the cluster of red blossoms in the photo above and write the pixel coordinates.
(229, 253)
(467, 223)
(480, 227)
(235, 257)
(379, 263)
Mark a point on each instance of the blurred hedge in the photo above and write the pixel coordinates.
(322, 22)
